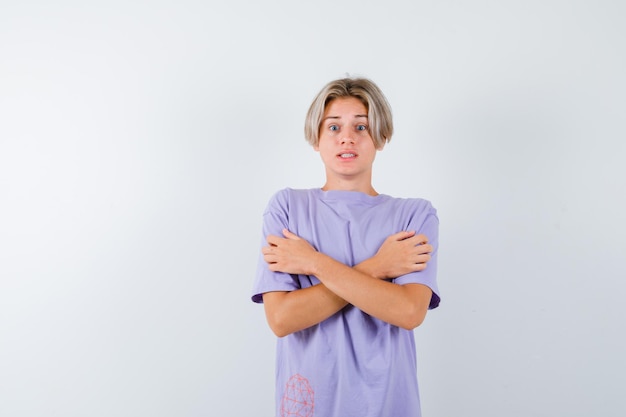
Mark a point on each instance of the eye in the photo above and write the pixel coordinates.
(361, 127)
(333, 128)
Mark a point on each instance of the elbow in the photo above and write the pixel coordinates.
(413, 319)
(275, 314)
(278, 325)
(279, 331)
(416, 306)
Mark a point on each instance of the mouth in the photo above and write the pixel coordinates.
(347, 155)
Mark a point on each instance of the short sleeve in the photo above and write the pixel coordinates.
(275, 219)
(430, 227)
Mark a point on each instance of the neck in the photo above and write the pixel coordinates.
(347, 185)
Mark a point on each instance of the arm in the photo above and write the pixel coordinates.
(401, 305)
(291, 311)
(288, 312)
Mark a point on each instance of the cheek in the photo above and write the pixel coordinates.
(323, 145)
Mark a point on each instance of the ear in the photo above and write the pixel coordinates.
(316, 147)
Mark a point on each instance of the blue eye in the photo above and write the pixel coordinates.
(333, 127)
(361, 127)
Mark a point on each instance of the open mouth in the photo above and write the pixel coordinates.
(347, 155)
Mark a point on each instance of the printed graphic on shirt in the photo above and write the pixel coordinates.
(298, 399)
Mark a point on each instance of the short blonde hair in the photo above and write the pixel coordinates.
(378, 110)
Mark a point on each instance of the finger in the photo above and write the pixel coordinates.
(273, 267)
(270, 259)
(424, 248)
(422, 238)
(416, 240)
(266, 250)
(422, 259)
(419, 267)
(405, 234)
(413, 240)
(290, 235)
(274, 240)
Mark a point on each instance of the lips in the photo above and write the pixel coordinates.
(347, 155)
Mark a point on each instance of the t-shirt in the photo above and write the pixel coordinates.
(351, 364)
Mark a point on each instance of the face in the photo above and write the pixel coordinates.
(345, 144)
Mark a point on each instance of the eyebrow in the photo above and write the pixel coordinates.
(337, 117)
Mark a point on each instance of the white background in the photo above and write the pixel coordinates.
(141, 140)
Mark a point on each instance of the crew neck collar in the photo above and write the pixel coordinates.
(348, 195)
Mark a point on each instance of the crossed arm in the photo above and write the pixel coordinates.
(363, 285)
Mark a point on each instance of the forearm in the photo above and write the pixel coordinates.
(401, 305)
(362, 285)
(289, 312)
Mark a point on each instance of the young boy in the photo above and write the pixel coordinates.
(343, 271)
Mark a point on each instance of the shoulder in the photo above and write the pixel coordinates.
(283, 199)
(413, 205)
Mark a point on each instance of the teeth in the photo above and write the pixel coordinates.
(347, 155)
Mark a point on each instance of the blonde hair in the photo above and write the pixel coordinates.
(378, 110)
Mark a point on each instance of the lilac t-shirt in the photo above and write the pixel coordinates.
(351, 364)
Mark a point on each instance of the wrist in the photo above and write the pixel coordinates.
(371, 267)
(316, 264)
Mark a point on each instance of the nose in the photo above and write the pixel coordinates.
(347, 138)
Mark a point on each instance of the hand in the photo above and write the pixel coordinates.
(402, 253)
(291, 254)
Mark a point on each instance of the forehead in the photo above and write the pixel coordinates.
(345, 107)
